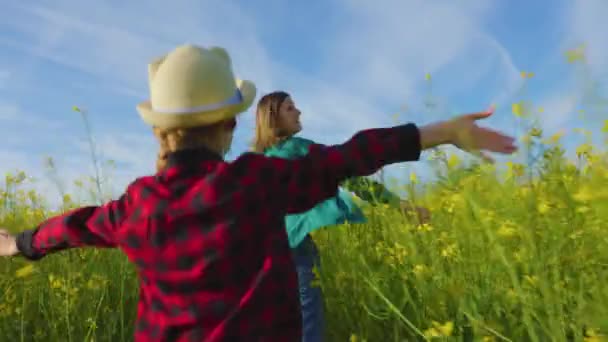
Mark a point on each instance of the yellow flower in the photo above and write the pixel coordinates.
(431, 332)
(517, 169)
(55, 283)
(450, 251)
(532, 280)
(425, 227)
(439, 330)
(584, 194)
(543, 207)
(507, 230)
(427, 76)
(24, 271)
(413, 177)
(554, 139)
(584, 150)
(380, 248)
(76, 109)
(536, 132)
(517, 109)
(420, 270)
(591, 335)
(541, 109)
(525, 74)
(67, 199)
(446, 329)
(453, 161)
(399, 253)
(576, 55)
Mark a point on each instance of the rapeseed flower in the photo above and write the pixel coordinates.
(439, 330)
(25, 271)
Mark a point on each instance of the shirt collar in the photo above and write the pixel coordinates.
(191, 156)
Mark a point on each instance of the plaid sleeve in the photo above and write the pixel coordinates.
(86, 226)
(299, 184)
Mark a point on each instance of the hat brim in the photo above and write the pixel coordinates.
(173, 121)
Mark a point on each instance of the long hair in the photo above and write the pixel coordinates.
(267, 131)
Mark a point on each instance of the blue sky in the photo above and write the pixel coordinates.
(350, 64)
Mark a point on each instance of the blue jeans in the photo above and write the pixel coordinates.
(311, 296)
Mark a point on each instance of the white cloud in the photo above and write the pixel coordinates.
(378, 55)
(117, 45)
(386, 50)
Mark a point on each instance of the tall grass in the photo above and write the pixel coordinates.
(520, 255)
(504, 258)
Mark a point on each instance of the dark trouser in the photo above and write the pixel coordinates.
(306, 257)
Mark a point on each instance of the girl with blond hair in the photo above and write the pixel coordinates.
(277, 123)
(208, 236)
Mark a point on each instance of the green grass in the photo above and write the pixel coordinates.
(516, 256)
(504, 258)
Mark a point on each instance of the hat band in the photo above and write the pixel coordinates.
(236, 99)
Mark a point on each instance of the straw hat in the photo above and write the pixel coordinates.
(194, 86)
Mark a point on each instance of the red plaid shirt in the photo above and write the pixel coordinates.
(208, 236)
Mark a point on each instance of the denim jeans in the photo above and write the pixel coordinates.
(311, 296)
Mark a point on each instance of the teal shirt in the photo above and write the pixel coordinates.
(333, 211)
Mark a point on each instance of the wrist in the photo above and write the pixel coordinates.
(435, 134)
(14, 248)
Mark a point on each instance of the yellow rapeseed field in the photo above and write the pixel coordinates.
(516, 255)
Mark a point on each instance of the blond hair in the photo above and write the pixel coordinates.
(212, 137)
(267, 131)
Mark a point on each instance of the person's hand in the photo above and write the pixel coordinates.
(8, 244)
(463, 132)
(423, 215)
(466, 135)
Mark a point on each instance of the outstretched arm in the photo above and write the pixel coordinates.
(87, 226)
(299, 184)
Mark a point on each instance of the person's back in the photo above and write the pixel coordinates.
(203, 236)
